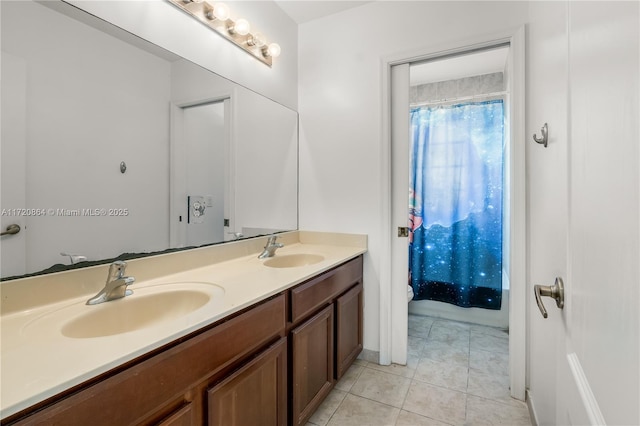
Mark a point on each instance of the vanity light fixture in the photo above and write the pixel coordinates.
(216, 15)
(240, 27)
(219, 11)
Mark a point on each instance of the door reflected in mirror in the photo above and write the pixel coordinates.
(207, 160)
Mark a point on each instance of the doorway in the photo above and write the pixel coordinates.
(394, 306)
(202, 183)
(458, 253)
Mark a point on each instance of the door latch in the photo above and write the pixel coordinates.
(403, 231)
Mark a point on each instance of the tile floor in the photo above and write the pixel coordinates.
(456, 374)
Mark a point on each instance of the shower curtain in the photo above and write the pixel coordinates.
(455, 216)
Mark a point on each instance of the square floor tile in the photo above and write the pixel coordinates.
(419, 326)
(484, 412)
(443, 374)
(415, 344)
(349, 378)
(323, 413)
(492, 331)
(358, 411)
(387, 388)
(490, 343)
(407, 418)
(435, 402)
(489, 362)
(444, 352)
(489, 386)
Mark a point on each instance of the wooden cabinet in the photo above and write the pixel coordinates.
(312, 364)
(256, 394)
(168, 385)
(326, 335)
(181, 417)
(271, 364)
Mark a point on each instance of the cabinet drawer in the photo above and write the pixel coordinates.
(308, 297)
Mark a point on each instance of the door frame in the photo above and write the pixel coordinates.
(177, 163)
(390, 317)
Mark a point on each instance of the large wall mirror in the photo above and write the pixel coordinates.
(112, 145)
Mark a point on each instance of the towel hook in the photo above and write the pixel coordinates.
(545, 136)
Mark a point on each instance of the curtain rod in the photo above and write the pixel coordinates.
(462, 98)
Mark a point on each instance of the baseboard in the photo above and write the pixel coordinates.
(587, 399)
(532, 410)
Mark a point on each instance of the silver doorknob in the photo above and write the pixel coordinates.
(556, 291)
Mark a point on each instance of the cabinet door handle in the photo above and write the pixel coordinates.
(555, 291)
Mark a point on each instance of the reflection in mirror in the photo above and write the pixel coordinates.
(112, 145)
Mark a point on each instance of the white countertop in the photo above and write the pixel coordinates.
(38, 361)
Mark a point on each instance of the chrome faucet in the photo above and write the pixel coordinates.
(270, 248)
(116, 286)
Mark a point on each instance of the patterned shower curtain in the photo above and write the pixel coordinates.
(455, 250)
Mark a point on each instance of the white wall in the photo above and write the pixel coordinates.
(165, 25)
(266, 165)
(340, 111)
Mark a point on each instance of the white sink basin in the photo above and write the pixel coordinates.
(133, 313)
(293, 260)
(146, 307)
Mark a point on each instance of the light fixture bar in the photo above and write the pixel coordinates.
(234, 31)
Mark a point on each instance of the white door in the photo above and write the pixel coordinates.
(204, 142)
(584, 210)
(200, 173)
(400, 125)
(601, 321)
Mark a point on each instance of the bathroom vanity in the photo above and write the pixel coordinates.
(283, 331)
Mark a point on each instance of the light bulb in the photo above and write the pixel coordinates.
(220, 11)
(240, 27)
(272, 50)
(257, 40)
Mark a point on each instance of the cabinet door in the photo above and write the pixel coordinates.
(312, 364)
(348, 329)
(182, 417)
(256, 394)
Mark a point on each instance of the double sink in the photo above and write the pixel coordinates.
(52, 340)
(148, 306)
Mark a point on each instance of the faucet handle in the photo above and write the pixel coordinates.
(271, 242)
(116, 270)
(74, 258)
